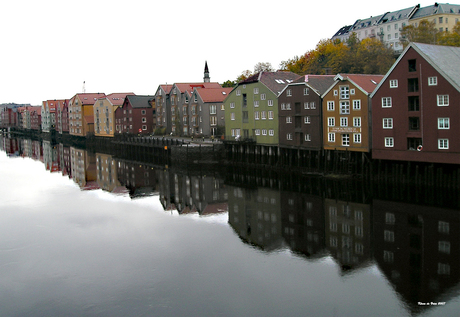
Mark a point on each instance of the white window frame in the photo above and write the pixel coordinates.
(393, 83)
(289, 93)
(263, 96)
(357, 104)
(307, 137)
(257, 131)
(344, 121)
(357, 122)
(356, 137)
(256, 103)
(289, 136)
(443, 100)
(256, 115)
(433, 81)
(330, 105)
(271, 132)
(386, 102)
(232, 116)
(331, 137)
(331, 121)
(270, 102)
(443, 123)
(344, 92)
(307, 120)
(305, 91)
(288, 119)
(443, 144)
(264, 131)
(256, 90)
(270, 115)
(387, 123)
(389, 142)
(345, 139)
(306, 105)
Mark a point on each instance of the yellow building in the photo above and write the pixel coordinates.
(443, 15)
(104, 113)
(81, 114)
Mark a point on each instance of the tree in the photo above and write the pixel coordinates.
(451, 38)
(374, 57)
(244, 75)
(426, 32)
(229, 84)
(263, 67)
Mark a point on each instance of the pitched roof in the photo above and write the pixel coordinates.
(117, 99)
(140, 101)
(320, 83)
(436, 9)
(275, 81)
(188, 87)
(445, 59)
(213, 94)
(366, 83)
(89, 98)
(166, 88)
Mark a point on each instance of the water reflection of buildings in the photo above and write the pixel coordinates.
(348, 233)
(107, 176)
(255, 214)
(83, 168)
(65, 160)
(51, 156)
(139, 178)
(418, 249)
(192, 193)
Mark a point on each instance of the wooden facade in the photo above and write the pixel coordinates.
(415, 109)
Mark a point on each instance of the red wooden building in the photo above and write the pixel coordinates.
(416, 107)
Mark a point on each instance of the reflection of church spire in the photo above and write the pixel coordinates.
(206, 77)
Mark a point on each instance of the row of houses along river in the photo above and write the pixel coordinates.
(169, 227)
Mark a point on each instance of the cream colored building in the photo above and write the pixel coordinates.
(444, 16)
(81, 116)
(104, 113)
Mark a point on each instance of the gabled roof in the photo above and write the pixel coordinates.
(318, 83)
(188, 87)
(364, 82)
(436, 9)
(445, 59)
(275, 81)
(117, 99)
(402, 14)
(140, 101)
(213, 94)
(165, 87)
(89, 98)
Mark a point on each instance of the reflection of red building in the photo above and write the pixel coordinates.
(11, 146)
(418, 249)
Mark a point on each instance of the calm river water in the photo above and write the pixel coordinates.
(87, 234)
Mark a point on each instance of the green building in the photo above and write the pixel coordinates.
(251, 109)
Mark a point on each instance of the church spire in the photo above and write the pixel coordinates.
(206, 77)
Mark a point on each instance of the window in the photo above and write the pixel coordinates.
(443, 144)
(331, 122)
(432, 81)
(443, 227)
(256, 103)
(344, 107)
(271, 132)
(357, 137)
(307, 120)
(144, 127)
(414, 123)
(330, 106)
(238, 92)
(388, 236)
(270, 103)
(232, 116)
(213, 109)
(257, 131)
(307, 137)
(256, 115)
(232, 105)
(306, 105)
(305, 91)
(312, 105)
(144, 120)
(289, 92)
(389, 142)
(288, 120)
(388, 123)
(270, 115)
(412, 84)
(143, 112)
(413, 143)
(264, 115)
(256, 91)
(412, 65)
(344, 122)
(443, 100)
(443, 123)
(345, 139)
(289, 136)
(288, 106)
(413, 102)
(356, 104)
(386, 102)
(264, 131)
(357, 121)
(344, 92)
(331, 137)
(283, 106)
(393, 83)
(444, 247)
(336, 93)
(263, 96)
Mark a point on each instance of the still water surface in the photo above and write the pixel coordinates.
(70, 248)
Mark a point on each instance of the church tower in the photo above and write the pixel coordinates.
(206, 77)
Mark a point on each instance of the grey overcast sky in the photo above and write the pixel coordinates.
(49, 47)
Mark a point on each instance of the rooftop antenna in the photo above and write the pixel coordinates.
(84, 89)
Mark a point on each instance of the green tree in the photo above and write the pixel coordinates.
(451, 38)
(229, 84)
(244, 75)
(263, 67)
(426, 32)
(374, 57)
